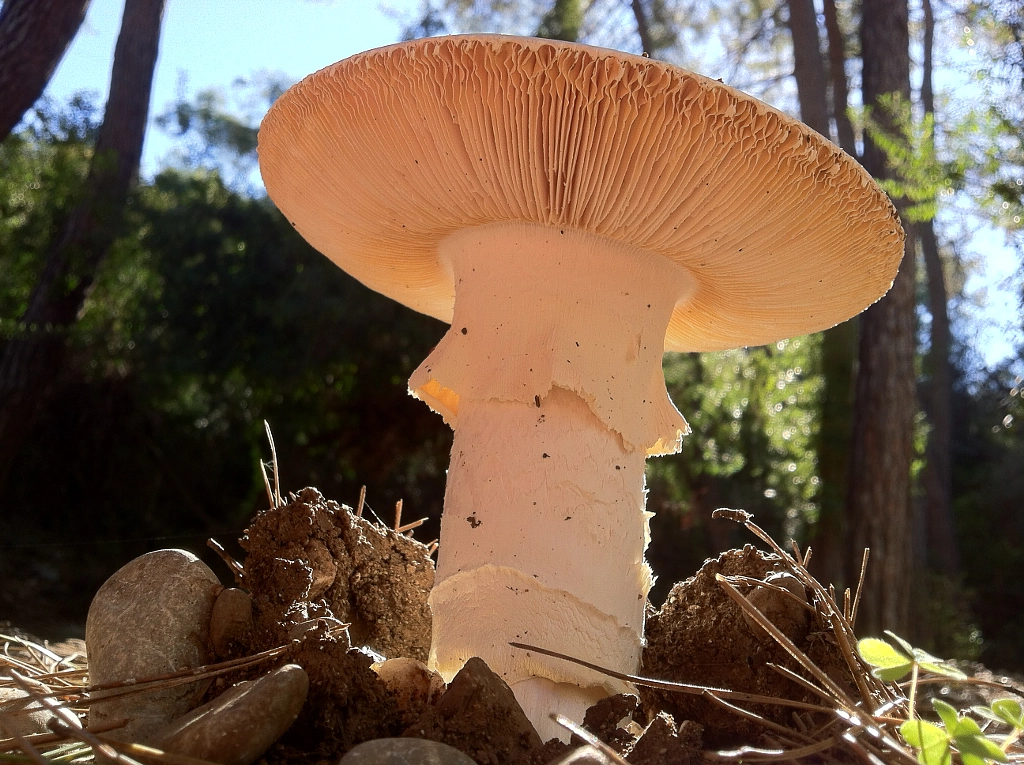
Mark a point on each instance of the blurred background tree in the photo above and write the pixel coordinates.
(209, 315)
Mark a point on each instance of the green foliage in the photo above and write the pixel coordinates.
(216, 130)
(210, 315)
(935, 744)
(920, 177)
(931, 741)
(988, 491)
(989, 130)
(41, 169)
(562, 21)
(753, 415)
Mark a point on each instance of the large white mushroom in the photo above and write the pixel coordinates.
(573, 213)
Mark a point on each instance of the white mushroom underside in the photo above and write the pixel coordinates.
(551, 377)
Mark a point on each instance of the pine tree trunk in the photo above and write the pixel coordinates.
(879, 497)
(837, 70)
(643, 28)
(34, 34)
(31, 360)
(943, 550)
(808, 66)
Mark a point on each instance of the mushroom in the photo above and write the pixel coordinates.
(573, 212)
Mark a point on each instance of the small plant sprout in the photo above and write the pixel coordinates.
(892, 663)
(934, 743)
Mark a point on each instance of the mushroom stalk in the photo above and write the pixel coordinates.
(551, 378)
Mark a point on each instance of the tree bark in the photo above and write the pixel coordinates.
(943, 551)
(30, 360)
(879, 498)
(643, 28)
(840, 89)
(34, 35)
(808, 67)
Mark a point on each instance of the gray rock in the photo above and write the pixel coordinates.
(18, 717)
(404, 751)
(238, 726)
(151, 618)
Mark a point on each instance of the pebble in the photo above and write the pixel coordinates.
(231, 620)
(238, 726)
(404, 751)
(151, 618)
(786, 613)
(411, 684)
(23, 723)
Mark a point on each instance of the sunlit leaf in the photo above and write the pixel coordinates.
(930, 741)
(1009, 712)
(949, 715)
(889, 664)
(980, 747)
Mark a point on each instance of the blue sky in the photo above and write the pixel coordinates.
(210, 43)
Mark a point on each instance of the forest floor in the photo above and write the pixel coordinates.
(751, 659)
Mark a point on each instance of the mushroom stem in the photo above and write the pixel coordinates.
(551, 377)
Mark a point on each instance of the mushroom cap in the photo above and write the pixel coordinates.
(379, 157)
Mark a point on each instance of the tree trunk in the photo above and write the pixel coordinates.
(879, 497)
(30, 360)
(943, 551)
(840, 89)
(643, 28)
(34, 34)
(808, 67)
(839, 344)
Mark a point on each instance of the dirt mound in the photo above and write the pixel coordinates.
(314, 559)
(701, 636)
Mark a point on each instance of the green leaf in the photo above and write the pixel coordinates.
(1009, 712)
(949, 715)
(909, 649)
(892, 674)
(941, 668)
(987, 713)
(889, 663)
(966, 726)
(978, 746)
(931, 741)
(884, 658)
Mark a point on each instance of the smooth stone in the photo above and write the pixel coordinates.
(238, 726)
(231, 619)
(151, 618)
(16, 720)
(404, 751)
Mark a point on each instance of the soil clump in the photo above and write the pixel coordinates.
(345, 599)
(701, 636)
